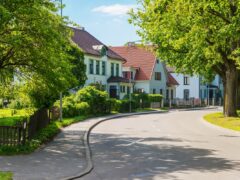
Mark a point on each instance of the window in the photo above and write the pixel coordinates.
(91, 67)
(97, 67)
(122, 89)
(157, 76)
(161, 91)
(128, 90)
(186, 80)
(157, 61)
(125, 75)
(103, 68)
(154, 91)
(140, 90)
(171, 93)
(117, 69)
(186, 94)
(131, 75)
(167, 94)
(112, 69)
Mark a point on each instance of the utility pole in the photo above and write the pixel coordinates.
(130, 95)
(61, 117)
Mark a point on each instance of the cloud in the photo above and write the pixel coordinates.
(114, 10)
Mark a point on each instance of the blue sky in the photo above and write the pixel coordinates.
(105, 19)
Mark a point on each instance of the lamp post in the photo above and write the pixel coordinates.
(60, 118)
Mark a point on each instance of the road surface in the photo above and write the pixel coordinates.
(177, 145)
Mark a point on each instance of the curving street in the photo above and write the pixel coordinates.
(177, 145)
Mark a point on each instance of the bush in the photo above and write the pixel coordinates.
(125, 105)
(155, 97)
(96, 99)
(83, 108)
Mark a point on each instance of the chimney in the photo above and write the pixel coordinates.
(131, 44)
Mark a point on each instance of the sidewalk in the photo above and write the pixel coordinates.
(64, 157)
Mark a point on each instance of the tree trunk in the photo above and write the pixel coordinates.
(230, 92)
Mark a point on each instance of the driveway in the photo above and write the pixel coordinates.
(171, 146)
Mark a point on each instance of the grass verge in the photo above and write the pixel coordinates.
(45, 135)
(218, 119)
(6, 176)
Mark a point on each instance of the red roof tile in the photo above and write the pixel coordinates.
(171, 80)
(138, 57)
(86, 42)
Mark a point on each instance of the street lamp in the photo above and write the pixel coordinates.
(60, 118)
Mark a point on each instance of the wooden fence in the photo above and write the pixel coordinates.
(12, 135)
(20, 133)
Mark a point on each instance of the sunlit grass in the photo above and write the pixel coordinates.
(6, 176)
(9, 117)
(226, 122)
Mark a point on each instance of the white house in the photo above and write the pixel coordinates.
(146, 71)
(194, 87)
(103, 66)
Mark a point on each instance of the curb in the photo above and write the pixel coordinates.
(90, 166)
(194, 109)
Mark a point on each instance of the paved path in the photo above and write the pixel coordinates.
(63, 157)
(171, 146)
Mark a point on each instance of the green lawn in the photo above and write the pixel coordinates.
(6, 176)
(219, 120)
(9, 117)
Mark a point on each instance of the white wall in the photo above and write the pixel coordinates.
(159, 84)
(93, 78)
(145, 85)
(193, 86)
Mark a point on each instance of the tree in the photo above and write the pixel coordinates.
(36, 47)
(196, 37)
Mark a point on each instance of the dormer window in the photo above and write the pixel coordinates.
(101, 49)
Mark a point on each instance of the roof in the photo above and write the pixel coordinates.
(86, 42)
(170, 69)
(171, 80)
(138, 57)
(117, 79)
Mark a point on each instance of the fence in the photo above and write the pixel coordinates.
(20, 133)
(13, 135)
(192, 102)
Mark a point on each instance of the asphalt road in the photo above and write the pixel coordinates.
(171, 146)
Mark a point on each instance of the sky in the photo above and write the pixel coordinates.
(107, 20)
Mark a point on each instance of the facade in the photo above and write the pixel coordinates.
(193, 87)
(146, 71)
(103, 66)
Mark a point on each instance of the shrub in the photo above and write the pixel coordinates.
(96, 99)
(68, 106)
(125, 105)
(155, 97)
(114, 104)
(83, 108)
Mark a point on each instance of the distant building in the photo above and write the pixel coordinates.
(146, 71)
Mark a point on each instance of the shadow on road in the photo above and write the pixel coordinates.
(117, 157)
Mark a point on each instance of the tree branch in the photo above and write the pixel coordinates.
(218, 14)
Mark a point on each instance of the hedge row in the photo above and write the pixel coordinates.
(92, 101)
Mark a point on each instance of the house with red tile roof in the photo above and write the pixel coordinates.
(148, 73)
(103, 65)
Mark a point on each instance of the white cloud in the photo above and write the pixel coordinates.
(115, 9)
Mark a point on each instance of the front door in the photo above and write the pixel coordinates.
(113, 91)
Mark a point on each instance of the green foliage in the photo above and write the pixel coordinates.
(36, 48)
(96, 99)
(83, 108)
(10, 117)
(225, 122)
(6, 175)
(154, 97)
(196, 37)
